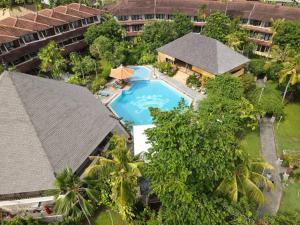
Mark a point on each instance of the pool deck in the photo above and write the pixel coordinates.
(155, 75)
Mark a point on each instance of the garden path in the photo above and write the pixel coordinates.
(268, 150)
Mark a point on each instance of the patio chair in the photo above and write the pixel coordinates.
(103, 93)
(116, 85)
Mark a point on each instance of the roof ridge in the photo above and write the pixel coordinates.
(1, 25)
(23, 105)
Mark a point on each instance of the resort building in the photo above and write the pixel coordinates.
(254, 16)
(21, 37)
(45, 127)
(194, 53)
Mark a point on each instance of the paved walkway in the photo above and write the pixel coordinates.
(268, 150)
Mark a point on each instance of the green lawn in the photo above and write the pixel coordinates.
(251, 144)
(290, 199)
(103, 218)
(288, 132)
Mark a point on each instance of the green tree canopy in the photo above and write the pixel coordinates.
(218, 26)
(268, 100)
(182, 24)
(52, 60)
(287, 33)
(108, 28)
(225, 86)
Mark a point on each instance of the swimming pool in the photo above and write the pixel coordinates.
(140, 73)
(133, 104)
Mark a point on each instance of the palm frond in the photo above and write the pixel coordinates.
(253, 191)
(228, 187)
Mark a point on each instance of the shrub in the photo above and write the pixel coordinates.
(166, 68)
(248, 83)
(273, 70)
(256, 67)
(193, 80)
(97, 83)
(268, 100)
(225, 86)
(76, 79)
(296, 173)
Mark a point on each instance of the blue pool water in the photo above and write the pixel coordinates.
(133, 104)
(140, 73)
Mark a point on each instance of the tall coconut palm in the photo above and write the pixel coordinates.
(246, 180)
(290, 71)
(275, 26)
(124, 175)
(73, 196)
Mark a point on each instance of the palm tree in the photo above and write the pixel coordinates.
(124, 175)
(275, 26)
(291, 70)
(246, 180)
(73, 196)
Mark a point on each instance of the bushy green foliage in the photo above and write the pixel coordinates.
(248, 83)
(225, 86)
(182, 24)
(268, 100)
(12, 3)
(52, 60)
(78, 80)
(285, 218)
(109, 28)
(193, 80)
(167, 68)
(217, 26)
(256, 67)
(273, 71)
(287, 33)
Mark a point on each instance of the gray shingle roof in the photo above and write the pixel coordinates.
(45, 126)
(204, 52)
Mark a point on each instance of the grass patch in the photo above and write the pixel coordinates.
(103, 218)
(251, 144)
(290, 200)
(288, 130)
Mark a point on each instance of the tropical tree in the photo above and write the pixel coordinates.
(52, 60)
(182, 24)
(108, 28)
(73, 196)
(286, 32)
(218, 26)
(290, 72)
(82, 65)
(246, 180)
(125, 171)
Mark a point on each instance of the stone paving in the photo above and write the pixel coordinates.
(268, 150)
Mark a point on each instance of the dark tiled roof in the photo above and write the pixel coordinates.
(244, 9)
(23, 23)
(57, 15)
(45, 126)
(204, 52)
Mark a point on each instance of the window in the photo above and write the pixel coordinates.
(127, 28)
(255, 22)
(62, 28)
(89, 20)
(28, 38)
(149, 16)
(262, 48)
(160, 16)
(95, 18)
(267, 37)
(136, 17)
(266, 24)
(76, 24)
(136, 28)
(9, 45)
(122, 18)
(244, 21)
(2, 49)
(67, 42)
(170, 17)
